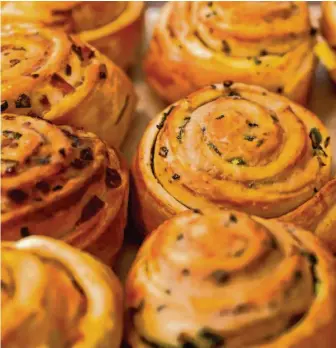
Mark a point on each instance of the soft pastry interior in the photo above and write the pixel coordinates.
(230, 145)
(64, 183)
(49, 74)
(262, 43)
(226, 279)
(113, 27)
(55, 296)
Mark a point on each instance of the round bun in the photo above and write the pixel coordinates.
(262, 43)
(318, 215)
(112, 27)
(63, 183)
(230, 145)
(226, 279)
(326, 48)
(55, 296)
(50, 74)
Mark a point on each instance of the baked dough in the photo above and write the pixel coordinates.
(229, 145)
(226, 279)
(63, 183)
(202, 42)
(50, 74)
(318, 215)
(112, 27)
(55, 296)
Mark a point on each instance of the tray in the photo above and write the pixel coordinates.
(322, 103)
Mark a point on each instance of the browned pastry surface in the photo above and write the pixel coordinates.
(55, 296)
(47, 73)
(262, 43)
(113, 27)
(230, 145)
(226, 279)
(63, 183)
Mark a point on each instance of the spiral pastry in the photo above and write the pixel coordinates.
(326, 49)
(230, 145)
(56, 296)
(112, 27)
(49, 74)
(262, 43)
(226, 279)
(319, 215)
(63, 183)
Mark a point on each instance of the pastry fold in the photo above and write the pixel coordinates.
(112, 27)
(262, 43)
(230, 145)
(227, 279)
(50, 74)
(326, 48)
(318, 215)
(55, 296)
(63, 183)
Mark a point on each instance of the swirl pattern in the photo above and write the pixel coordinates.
(226, 279)
(66, 299)
(326, 49)
(64, 183)
(112, 27)
(262, 43)
(319, 215)
(49, 74)
(234, 146)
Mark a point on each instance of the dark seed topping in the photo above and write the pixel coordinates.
(43, 186)
(219, 276)
(160, 308)
(68, 70)
(228, 83)
(86, 154)
(197, 211)
(233, 218)
(163, 152)
(313, 31)
(168, 292)
(175, 177)
(214, 339)
(17, 195)
(35, 76)
(113, 178)
(24, 232)
(62, 152)
(275, 118)
(57, 188)
(78, 51)
(11, 135)
(78, 163)
(165, 115)
(10, 170)
(213, 86)
(327, 142)
(249, 137)
(226, 47)
(75, 140)
(315, 137)
(252, 125)
(4, 105)
(257, 61)
(234, 94)
(280, 90)
(180, 237)
(214, 148)
(13, 62)
(260, 142)
(185, 272)
(315, 190)
(263, 53)
(321, 163)
(23, 101)
(220, 117)
(43, 160)
(102, 71)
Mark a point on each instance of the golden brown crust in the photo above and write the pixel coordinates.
(49, 74)
(56, 296)
(224, 278)
(318, 215)
(112, 27)
(63, 183)
(199, 43)
(234, 146)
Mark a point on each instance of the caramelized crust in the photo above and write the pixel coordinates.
(262, 43)
(49, 74)
(55, 296)
(234, 146)
(318, 215)
(63, 183)
(226, 279)
(112, 27)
